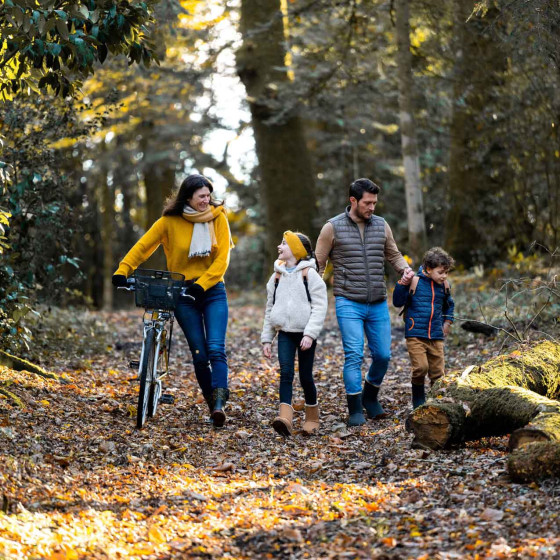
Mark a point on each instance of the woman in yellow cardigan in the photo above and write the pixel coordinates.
(196, 238)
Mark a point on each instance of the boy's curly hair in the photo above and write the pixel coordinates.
(435, 257)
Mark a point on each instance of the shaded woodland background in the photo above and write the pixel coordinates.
(452, 106)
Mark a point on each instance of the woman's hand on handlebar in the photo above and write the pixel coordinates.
(119, 280)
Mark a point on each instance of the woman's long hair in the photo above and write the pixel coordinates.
(175, 204)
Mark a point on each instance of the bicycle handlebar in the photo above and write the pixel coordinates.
(130, 285)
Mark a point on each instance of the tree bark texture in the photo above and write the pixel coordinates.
(473, 150)
(514, 394)
(107, 235)
(411, 162)
(534, 461)
(285, 169)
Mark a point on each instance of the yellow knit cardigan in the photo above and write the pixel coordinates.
(175, 234)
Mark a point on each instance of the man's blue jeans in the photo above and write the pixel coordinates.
(353, 319)
(204, 325)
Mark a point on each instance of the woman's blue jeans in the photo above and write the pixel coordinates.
(355, 318)
(204, 324)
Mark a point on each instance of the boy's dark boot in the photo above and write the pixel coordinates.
(283, 423)
(355, 411)
(369, 400)
(418, 395)
(221, 395)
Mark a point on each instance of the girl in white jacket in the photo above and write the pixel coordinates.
(296, 308)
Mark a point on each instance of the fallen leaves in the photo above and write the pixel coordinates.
(77, 471)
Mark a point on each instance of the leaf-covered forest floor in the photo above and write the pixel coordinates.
(79, 481)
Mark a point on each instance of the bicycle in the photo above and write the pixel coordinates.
(157, 291)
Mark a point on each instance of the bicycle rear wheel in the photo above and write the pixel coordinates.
(146, 377)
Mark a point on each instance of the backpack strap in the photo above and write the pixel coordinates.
(277, 277)
(413, 285)
(304, 274)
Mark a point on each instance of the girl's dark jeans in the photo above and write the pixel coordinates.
(288, 344)
(204, 325)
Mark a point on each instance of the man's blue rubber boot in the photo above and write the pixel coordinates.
(355, 413)
(369, 400)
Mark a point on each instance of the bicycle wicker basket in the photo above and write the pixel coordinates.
(158, 289)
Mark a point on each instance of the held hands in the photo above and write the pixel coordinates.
(408, 275)
(447, 327)
(267, 349)
(306, 343)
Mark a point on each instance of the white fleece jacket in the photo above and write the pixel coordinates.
(291, 311)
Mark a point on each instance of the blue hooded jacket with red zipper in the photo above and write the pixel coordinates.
(426, 310)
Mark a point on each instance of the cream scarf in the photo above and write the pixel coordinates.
(203, 236)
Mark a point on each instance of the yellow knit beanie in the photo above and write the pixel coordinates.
(295, 244)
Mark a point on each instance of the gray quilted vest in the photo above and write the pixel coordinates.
(359, 265)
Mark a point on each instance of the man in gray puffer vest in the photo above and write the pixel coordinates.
(357, 243)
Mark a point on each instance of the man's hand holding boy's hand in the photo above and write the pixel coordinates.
(267, 349)
(408, 275)
(447, 327)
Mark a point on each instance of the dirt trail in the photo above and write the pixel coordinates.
(79, 481)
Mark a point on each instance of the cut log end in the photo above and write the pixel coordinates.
(527, 435)
(433, 426)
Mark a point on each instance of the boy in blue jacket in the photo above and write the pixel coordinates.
(428, 315)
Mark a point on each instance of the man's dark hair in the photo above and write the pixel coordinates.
(360, 186)
(436, 256)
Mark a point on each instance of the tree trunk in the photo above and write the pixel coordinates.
(107, 231)
(286, 174)
(411, 163)
(508, 393)
(475, 152)
(159, 180)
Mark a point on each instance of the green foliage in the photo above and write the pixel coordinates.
(49, 44)
(42, 199)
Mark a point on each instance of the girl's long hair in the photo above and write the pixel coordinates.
(306, 242)
(175, 204)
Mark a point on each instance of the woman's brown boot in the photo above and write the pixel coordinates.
(311, 423)
(283, 422)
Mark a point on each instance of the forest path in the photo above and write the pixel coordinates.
(79, 481)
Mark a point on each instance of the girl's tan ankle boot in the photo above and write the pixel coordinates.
(311, 423)
(283, 423)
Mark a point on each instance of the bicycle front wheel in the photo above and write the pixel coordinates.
(155, 385)
(147, 368)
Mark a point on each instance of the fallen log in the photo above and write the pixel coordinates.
(534, 461)
(505, 394)
(19, 364)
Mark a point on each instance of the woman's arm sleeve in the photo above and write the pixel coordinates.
(143, 248)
